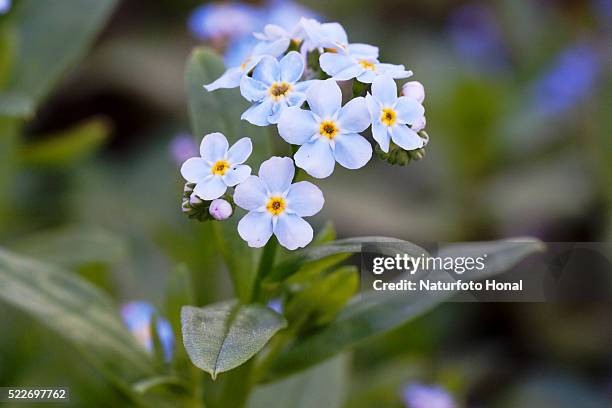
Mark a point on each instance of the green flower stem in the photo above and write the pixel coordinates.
(266, 263)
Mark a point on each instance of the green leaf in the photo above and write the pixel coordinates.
(66, 148)
(372, 313)
(50, 38)
(72, 246)
(343, 246)
(74, 309)
(324, 385)
(179, 292)
(225, 335)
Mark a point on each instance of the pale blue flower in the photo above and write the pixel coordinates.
(214, 21)
(274, 87)
(137, 317)
(182, 147)
(426, 396)
(219, 167)
(331, 36)
(276, 206)
(5, 6)
(232, 77)
(359, 61)
(328, 133)
(276, 305)
(392, 117)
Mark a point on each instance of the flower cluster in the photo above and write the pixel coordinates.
(293, 79)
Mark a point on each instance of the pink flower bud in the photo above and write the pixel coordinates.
(220, 209)
(414, 90)
(419, 125)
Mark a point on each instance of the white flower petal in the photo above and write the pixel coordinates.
(380, 132)
(256, 228)
(394, 71)
(253, 90)
(277, 110)
(296, 98)
(291, 67)
(367, 77)
(236, 175)
(354, 117)
(277, 174)
(363, 51)
(384, 89)
(214, 147)
(374, 107)
(305, 199)
(229, 79)
(267, 70)
(334, 63)
(293, 232)
(352, 151)
(259, 113)
(240, 151)
(297, 126)
(406, 138)
(211, 188)
(408, 110)
(324, 97)
(316, 158)
(251, 194)
(195, 170)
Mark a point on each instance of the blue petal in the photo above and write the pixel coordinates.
(259, 113)
(363, 51)
(251, 194)
(256, 228)
(230, 79)
(291, 67)
(316, 158)
(296, 98)
(380, 132)
(384, 89)
(354, 117)
(324, 98)
(334, 32)
(253, 90)
(273, 48)
(195, 170)
(367, 77)
(352, 151)
(297, 126)
(394, 71)
(267, 71)
(304, 199)
(341, 67)
(408, 110)
(406, 138)
(214, 147)
(240, 151)
(277, 174)
(236, 175)
(211, 188)
(292, 231)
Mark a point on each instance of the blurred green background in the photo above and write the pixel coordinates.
(519, 110)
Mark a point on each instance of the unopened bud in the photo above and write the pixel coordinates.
(414, 90)
(194, 200)
(220, 209)
(419, 124)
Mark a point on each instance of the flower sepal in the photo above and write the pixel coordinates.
(196, 208)
(400, 157)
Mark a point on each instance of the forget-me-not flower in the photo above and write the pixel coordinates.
(214, 21)
(359, 61)
(331, 36)
(232, 77)
(276, 206)
(219, 167)
(137, 316)
(274, 87)
(426, 396)
(391, 116)
(328, 133)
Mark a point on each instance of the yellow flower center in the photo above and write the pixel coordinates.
(279, 90)
(328, 129)
(276, 205)
(221, 167)
(331, 50)
(388, 117)
(370, 66)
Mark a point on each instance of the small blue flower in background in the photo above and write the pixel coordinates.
(217, 21)
(137, 317)
(359, 61)
(276, 206)
(476, 37)
(276, 305)
(274, 87)
(570, 81)
(5, 6)
(417, 395)
(182, 147)
(287, 14)
(391, 116)
(219, 167)
(328, 133)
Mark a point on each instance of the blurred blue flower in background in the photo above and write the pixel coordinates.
(476, 36)
(5, 6)
(137, 316)
(276, 305)
(603, 10)
(286, 13)
(417, 395)
(215, 21)
(182, 147)
(570, 81)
